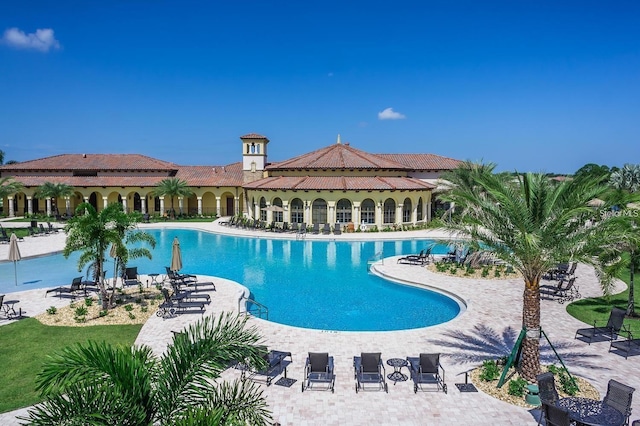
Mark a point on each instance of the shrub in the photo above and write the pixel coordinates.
(490, 370)
(132, 316)
(144, 309)
(88, 301)
(80, 318)
(485, 272)
(517, 386)
(102, 313)
(52, 310)
(81, 311)
(566, 383)
(128, 307)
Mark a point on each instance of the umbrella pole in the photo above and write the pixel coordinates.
(15, 271)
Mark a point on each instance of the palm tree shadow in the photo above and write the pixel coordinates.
(482, 343)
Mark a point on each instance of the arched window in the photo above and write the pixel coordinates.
(296, 208)
(406, 210)
(263, 206)
(343, 211)
(420, 209)
(389, 211)
(368, 211)
(277, 216)
(319, 211)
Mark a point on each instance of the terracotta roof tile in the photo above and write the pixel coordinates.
(338, 156)
(340, 183)
(423, 161)
(93, 162)
(253, 136)
(230, 175)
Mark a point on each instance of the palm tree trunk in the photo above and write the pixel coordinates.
(530, 360)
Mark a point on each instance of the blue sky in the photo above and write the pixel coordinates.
(529, 85)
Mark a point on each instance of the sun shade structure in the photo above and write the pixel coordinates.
(176, 256)
(14, 254)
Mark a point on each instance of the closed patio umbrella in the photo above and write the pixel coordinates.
(14, 254)
(176, 256)
(272, 208)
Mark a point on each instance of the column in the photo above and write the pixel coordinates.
(29, 204)
(379, 216)
(12, 213)
(236, 206)
(181, 205)
(331, 214)
(105, 201)
(414, 214)
(399, 209)
(200, 206)
(355, 214)
(218, 212)
(286, 215)
(124, 203)
(143, 204)
(48, 201)
(161, 206)
(67, 205)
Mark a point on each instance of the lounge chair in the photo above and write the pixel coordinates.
(146, 218)
(369, 370)
(303, 228)
(336, 229)
(326, 229)
(189, 295)
(554, 415)
(171, 307)
(421, 259)
(33, 232)
(627, 346)
(72, 290)
(4, 238)
(130, 276)
(619, 397)
(316, 229)
(318, 369)
(276, 364)
(285, 227)
(610, 331)
(42, 230)
(564, 291)
(182, 279)
(426, 369)
(293, 227)
(52, 230)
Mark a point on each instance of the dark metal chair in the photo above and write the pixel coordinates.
(619, 397)
(554, 415)
(610, 331)
(276, 363)
(369, 370)
(426, 369)
(318, 369)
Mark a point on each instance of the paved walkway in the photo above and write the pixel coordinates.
(487, 328)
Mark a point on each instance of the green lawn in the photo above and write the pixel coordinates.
(25, 344)
(598, 309)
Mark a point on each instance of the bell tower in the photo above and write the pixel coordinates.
(254, 156)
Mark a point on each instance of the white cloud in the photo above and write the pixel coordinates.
(43, 39)
(390, 114)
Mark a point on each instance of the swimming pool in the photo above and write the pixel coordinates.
(312, 284)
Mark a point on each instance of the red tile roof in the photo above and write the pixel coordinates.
(423, 161)
(253, 136)
(340, 183)
(230, 175)
(93, 162)
(338, 156)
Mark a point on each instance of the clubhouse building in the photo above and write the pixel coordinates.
(337, 183)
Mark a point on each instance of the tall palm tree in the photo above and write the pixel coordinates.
(531, 224)
(99, 384)
(173, 187)
(54, 191)
(94, 233)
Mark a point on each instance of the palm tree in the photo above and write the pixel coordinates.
(173, 187)
(54, 191)
(94, 233)
(99, 384)
(627, 178)
(9, 186)
(530, 223)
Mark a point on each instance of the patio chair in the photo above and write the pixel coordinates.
(182, 279)
(276, 364)
(336, 229)
(318, 369)
(554, 415)
(369, 370)
(568, 272)
(72, 290)
(303, 228)
(547, 388)
(619, 397)
(189, 295)
(316, 229)
(426, 369)
(611, 330)
(52, 230)
(171, 307)
(130, 276)
(294, 227)
(326, 229)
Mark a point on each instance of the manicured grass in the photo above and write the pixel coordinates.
(25, 344)
(598, 309)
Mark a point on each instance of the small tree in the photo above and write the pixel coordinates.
(9, 186)
(54, 191)
(94, 233)
(173, 187)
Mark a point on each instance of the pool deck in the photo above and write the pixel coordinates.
(487, 328)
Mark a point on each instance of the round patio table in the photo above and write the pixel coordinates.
(591, 412)
(397, 364)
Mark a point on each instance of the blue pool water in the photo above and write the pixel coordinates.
(312, 284)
